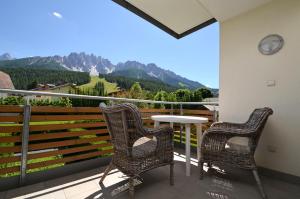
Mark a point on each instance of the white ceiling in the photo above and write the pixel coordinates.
(178, 15)
(226, 9)
(182, 15)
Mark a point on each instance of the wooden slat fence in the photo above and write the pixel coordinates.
(62, 135)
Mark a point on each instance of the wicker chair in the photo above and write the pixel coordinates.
(218, 148)
(136, 149)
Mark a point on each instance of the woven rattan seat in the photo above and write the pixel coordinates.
(144, 147)
(237, 148)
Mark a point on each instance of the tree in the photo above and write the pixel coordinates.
(183, 95)
(197, 96)
(136, 91)
(205, 93)
(99, 89)
(160, 96)
(171, 97)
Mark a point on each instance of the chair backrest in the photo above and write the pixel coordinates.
(257, 121)
(124, 124)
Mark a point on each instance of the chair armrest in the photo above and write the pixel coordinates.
(227, 125)
(231, 132)
(164, 136)
(215, 139)
(160, 132)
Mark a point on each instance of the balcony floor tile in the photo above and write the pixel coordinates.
(217, 184)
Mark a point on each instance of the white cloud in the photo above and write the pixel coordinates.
(58, 15)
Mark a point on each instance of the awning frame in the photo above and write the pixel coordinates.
(158, 24)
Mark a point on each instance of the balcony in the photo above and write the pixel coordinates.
(52, 152)
(67, 148)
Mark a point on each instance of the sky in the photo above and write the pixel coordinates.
(59, 27)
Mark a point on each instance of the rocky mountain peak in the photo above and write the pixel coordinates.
(6, 56)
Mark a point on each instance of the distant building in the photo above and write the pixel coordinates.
(51, 88)
(118, 93)
(50, 85)
(5, 83)
(45, 86)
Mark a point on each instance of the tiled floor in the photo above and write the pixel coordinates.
(234, 184)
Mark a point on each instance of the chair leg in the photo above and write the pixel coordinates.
(172, 173)
(131, 187)
(258, 181)
(107, 170)
(200, 165)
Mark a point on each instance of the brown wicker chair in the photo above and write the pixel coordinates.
(217, 146)
(136, 149)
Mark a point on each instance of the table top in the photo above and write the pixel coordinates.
(179, 119)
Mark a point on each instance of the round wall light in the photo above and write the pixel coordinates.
(270, 44)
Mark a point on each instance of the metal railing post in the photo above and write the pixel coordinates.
(181, 126)
(215, 114)
(172, 113)
(25, 140)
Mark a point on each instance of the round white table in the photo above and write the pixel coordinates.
(187, 121)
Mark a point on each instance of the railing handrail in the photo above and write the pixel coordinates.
(34, 93)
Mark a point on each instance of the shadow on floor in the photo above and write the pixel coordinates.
(225, 183)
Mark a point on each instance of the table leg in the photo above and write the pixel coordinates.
(188, 148)
(199, 136)
(171, 124)
(156, 124)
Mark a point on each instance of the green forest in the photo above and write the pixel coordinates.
(26, 78)
(127, 82)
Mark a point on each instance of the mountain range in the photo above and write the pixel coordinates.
(96, 64)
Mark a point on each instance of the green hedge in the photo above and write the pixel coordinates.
(17, 100)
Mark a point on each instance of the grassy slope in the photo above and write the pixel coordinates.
(109, 87)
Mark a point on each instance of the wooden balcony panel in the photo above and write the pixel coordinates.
(49, 145)
(49, 127)
(62, 133)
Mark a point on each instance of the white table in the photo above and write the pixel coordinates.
(187, 121)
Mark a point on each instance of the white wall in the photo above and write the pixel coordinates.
(244, 72)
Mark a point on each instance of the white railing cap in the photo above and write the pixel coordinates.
(41, 93)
